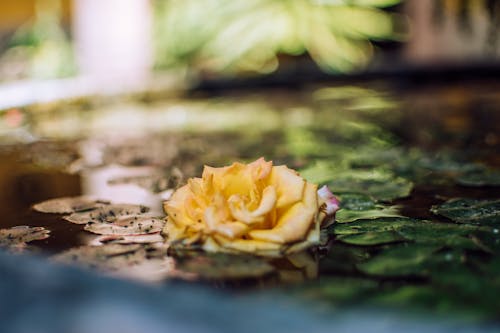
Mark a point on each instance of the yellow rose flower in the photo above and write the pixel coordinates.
(253, 208)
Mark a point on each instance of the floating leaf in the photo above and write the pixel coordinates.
(356, 202)
(406, 259)
(473, 211)
(448, 163)
(372, 225)
(346, 215)
(127, 225)
(127, 239)
(16, 238)
(69, 205)
(389, 230)
(372, 238)
(484, 177)
(383, 190)
(107, 213)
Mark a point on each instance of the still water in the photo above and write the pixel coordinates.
(390, 154)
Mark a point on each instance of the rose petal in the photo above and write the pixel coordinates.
(326, 197)
(293, 225)
(289, 186)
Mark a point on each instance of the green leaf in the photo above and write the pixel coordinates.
(356, 202)
(448, 162)
(346, 215)
(472, 211)
(379, 189)
(406, 259)
(371, 225)
(372, 238)
(485, 177)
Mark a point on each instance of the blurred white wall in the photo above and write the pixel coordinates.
(113, 39)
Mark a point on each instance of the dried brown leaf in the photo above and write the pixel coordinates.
(108, 213)
(127, 225)
(67, 205)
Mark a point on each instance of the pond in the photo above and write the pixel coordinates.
(416, 168)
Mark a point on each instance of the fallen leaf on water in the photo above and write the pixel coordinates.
(108, 213)
(16, 238)
(127, 225)
(127, 239)
(67, 205)
(347, 215)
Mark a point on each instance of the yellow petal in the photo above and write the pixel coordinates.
(177, 199)
(267, 202)
(231, 229)
(294, 224)
(260, 169)
(289, 186)
(241, 213)
(173, 231)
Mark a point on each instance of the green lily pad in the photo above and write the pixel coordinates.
(447, 162)
(382, 190)
(346, 215)
(451, 235)
(372, 225)
(390, 230)
(471, 211)
(378, 184)
(406, 259)
(372, 238)
(483, 177)
(356, 202)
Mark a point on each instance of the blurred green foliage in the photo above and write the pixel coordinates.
(40, 48)
(234, 36)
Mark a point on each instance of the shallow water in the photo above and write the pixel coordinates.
(427, 138)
